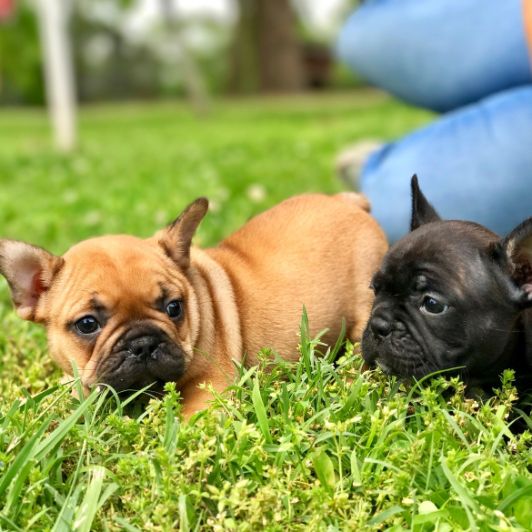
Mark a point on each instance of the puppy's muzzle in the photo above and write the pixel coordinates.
(376, 339)
(142, 356)
(144, 347)
(380, 326)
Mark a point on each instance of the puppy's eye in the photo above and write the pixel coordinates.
(87, 325)
(431, 305)
(174, 309)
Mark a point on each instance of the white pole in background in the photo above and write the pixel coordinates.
(58, 71)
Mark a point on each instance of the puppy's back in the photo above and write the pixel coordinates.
(312, 250)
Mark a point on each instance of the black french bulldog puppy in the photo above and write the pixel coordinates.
(452, 294)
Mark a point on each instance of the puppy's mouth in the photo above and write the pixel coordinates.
(140, 358)
(399, 356)
(403, 357)
(404, 367)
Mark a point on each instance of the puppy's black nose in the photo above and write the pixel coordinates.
(380, 326)
(143, 346)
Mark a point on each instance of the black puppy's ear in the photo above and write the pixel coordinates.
(29, 271)
(517, 247)
(422, 211)
(177, 237)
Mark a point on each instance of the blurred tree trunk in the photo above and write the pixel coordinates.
(280, 54)
(244, 73)
(266, 53)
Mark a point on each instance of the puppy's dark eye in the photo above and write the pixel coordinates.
(87, 325)
(431, 305)
(174, 309)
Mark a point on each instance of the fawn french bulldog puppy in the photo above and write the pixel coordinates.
(453, 294)
(130, 312)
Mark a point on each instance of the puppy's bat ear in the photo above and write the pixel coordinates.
(422, 211)
(517, 247)
(177, 237)
(29, 271)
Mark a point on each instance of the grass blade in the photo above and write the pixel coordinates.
(385, 514)
(91, 502)
(26, 454)
(465, 499)
(260, 412)
(53, 439)
(324, 468)
(355, 469)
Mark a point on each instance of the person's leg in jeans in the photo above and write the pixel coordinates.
(438, 54)
(475, 163)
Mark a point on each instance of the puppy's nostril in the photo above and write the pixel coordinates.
(144, 346)
(380, 326)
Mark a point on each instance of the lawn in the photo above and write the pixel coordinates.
(316, 445)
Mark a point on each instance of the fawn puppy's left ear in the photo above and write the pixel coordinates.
(517, 247)
(422, 211)
(29, 270)
(176, 239)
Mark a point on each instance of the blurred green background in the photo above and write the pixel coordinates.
(150, 49)
(137, 166)
(239, 100)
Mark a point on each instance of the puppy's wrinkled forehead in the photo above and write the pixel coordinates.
(112, 269)
(442, 253)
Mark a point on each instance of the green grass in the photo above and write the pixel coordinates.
(313, 445)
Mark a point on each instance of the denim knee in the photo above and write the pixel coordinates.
(474, 164)
(439, 54)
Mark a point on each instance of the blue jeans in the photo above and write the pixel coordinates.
(468, 58)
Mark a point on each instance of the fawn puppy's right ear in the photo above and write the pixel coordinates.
(29, 270)
(176, 239)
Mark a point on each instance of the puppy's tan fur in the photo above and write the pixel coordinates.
(245, 294)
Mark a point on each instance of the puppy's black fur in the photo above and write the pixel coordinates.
(452, 294)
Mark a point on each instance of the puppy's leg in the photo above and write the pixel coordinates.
(196, 398)
(67, 379)
(367, 260)
(363, 300)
